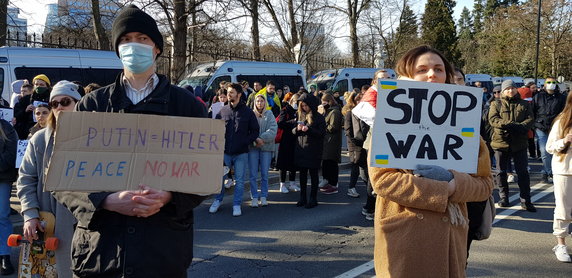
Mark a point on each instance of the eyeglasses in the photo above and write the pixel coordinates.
(550, 82)
(64, 102)
(40, 113)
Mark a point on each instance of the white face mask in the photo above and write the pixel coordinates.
(550, 87)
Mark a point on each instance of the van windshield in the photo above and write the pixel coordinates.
(323, 84)
(194, 81)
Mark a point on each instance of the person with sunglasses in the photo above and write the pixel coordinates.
(546, 105)
(117, 231)
(30, 184)
(41, 112)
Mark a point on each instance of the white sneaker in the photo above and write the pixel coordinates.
(263, 201)
(283, 188)
(294, 187)
(236, 211)
(510, 178)
(214, 207)
(254, 203)
(228, 184)
(352, 192)
(323, 183)
(561, 253)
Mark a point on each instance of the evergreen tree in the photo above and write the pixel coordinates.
(465, 25)
(438, 28)
(491, 7)
(478, 10)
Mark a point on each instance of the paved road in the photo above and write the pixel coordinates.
(334, 239)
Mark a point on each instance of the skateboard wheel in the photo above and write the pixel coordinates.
(52, 243)
(14, 240)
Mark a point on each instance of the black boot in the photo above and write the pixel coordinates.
(527, 205)
(503, 203)
(313, 197)
(7, 267)
(303, 197)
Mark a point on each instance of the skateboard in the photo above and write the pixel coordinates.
(37, 258)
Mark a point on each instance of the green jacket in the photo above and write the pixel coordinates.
(510, 118)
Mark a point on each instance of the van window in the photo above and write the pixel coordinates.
(357, 83)
(341, 86)
(213, 88)
(102, 77)
(2, 85)
(292, 81)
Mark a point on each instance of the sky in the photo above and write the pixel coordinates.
(35, 11)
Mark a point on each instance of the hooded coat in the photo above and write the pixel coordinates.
(333, 139)
(310, 143)
(510, 118)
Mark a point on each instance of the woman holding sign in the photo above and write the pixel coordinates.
(421, 217)
(30, 183)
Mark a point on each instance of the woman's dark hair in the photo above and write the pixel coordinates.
(406, 65)
(460, 71)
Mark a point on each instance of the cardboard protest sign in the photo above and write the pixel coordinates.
(426, 123)
(7, 114)
(118, 151)
(20, 151)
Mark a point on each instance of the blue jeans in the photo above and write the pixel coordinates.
(5, 224)
(546, 157)
(259, 159)
(239, 162)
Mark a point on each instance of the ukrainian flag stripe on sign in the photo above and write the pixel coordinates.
(381, 159)
(468, 132)
(388, 84)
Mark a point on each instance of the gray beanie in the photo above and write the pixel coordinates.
(65, 88)
(507, 84)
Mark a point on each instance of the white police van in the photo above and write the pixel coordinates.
(485, 79)
(205, 78)
(345, 79)
(85, 66)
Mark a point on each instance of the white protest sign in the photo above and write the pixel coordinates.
(20, 151)
(7, 114)
(426, 123)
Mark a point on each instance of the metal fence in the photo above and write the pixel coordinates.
(201, 56)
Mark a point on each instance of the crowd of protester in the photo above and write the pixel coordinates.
(301, 133)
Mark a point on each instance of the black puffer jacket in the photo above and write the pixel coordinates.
(546, 107)
(310, 144)
(8, 148)
(109, 244)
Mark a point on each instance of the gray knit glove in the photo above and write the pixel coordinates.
(433, 172)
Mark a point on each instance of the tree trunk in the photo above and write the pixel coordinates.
(193, 43)
(354, 41)
(98, 29)
(254, 30)
(293, 29)
(3, 21)
(179, 41)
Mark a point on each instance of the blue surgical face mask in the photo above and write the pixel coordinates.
(136, 57)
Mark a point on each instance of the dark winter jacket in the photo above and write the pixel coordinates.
(109, 244)
(546, 107)
(24, 119)
(510, 118)
(356, 132)
(287, 147)
(334, 130)
(310, 143)
(8, 149)
(241, 128)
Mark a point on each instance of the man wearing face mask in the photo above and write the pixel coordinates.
(118, 233)
(547, 104)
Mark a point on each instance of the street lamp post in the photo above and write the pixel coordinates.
(537, 43)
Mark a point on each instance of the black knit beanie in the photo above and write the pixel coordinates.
(132, 19)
